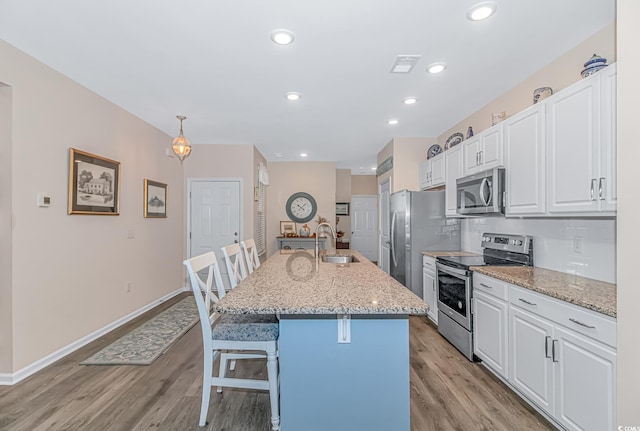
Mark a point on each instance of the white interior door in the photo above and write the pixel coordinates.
(214, 218)
(384, 190)
(364, 226)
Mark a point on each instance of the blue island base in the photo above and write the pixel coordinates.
(361, 385)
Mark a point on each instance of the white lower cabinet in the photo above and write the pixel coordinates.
(530, 357)
(429, 286)
(585, 382)
(490, 323)
(558, 356)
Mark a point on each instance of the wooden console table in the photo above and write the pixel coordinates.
(294, 243)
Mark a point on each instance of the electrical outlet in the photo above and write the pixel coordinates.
(129, 286)
(577, 244)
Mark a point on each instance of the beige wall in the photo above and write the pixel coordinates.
(558, 74)
(6, 297)
(316, 178)
(343, 194)
(70, 271)
(628, 238)
(228, 162)
(407, 154)
(364, 185)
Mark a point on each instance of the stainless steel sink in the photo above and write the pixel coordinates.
(339, 258)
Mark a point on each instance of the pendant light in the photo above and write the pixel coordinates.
(181, 146)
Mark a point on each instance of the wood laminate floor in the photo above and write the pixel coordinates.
(447, 392)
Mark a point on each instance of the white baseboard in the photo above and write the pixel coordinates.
(12, 379)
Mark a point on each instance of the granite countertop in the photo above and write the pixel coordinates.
(287, 283)
(448, 253)
(595, 295)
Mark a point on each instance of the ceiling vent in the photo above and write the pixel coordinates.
(404, 63)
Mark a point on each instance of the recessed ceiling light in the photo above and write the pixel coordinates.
(482, 11)
(409, 100)
(278, 154)
(282, 36)
(303, 154)
(293, 96)
(374, 169)
(436, 68)
(393, 122)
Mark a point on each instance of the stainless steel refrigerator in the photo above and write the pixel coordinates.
(418, 224)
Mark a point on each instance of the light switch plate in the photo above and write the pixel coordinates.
(44, 200)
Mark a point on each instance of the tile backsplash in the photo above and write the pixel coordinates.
(585, 247)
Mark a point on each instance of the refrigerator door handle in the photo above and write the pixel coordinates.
(393, 240)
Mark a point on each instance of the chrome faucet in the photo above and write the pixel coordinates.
(333, 233)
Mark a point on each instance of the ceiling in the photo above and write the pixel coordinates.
(214, 62)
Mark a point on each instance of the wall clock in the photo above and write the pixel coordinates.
(301, 207)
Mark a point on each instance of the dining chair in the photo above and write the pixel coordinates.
(250, 254)
(235, 264)
(232, 334)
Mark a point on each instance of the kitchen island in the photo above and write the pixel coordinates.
(344, 340)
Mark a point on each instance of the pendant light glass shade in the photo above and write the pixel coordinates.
(181, 146)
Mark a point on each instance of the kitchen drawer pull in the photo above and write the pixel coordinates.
(577, 322)
(527, 302)
(484, 285)
(553, 351)
(546, 346)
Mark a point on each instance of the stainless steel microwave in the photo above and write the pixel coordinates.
(481, 193)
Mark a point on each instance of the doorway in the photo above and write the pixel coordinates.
(364, 226)
(215, 217)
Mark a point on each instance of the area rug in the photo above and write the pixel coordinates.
(147, 342)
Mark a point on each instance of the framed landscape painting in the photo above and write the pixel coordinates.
(155, 199)
(94, 184)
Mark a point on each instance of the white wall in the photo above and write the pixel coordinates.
(628, 210)
(70, 271)
(553, 242)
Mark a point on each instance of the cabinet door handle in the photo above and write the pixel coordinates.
(480, 154)
(484, 285)
(527, 302)
(546, 346)
(593, 189)
(553, 351)
(601, 188)
(577, 322)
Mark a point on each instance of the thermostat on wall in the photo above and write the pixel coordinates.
(44, 200)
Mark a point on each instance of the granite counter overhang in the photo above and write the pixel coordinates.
(595, 295)
(287, 283)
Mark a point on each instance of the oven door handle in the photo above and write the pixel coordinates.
(393, 238)
(452, 271)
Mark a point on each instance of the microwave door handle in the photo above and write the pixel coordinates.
(485, 201)
(393, 227)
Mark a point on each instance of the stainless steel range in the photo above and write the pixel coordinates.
(455, 286)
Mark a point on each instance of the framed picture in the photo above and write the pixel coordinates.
(94, 184)
(287, 228)
(342, 208)
(155, 199)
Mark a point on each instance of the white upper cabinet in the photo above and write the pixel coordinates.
(432, 172)
(581, 146)
(524, 146)
(483, 151)
(573, 148)
(560, 154)
(453, 171)
(607, 180)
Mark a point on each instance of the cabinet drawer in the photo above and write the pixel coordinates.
(595, 325)
(429, 263)
(491, 286)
